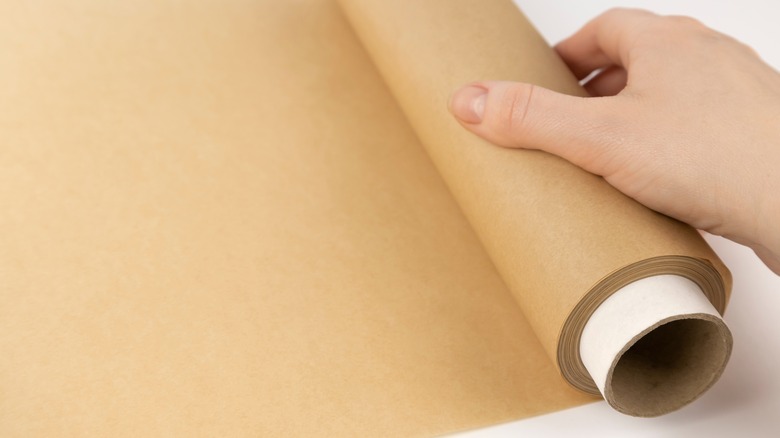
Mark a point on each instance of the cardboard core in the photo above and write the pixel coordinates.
(627, 303)
(655, 345)
(670, 366)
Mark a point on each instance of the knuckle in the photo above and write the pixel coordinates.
(616, 11)
(513, 109)
(687, 32)
(683, 21)
(745, 48)
(623, 11)
(621, 15)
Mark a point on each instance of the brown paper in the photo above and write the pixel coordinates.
(217, 221)
(562, 239)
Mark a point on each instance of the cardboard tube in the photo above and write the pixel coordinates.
(562, 239)
(655, 337)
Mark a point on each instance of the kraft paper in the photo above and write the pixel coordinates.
(234, 218)
(562, 239)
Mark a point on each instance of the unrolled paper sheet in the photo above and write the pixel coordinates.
(217, 221)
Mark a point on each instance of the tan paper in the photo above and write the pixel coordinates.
(562, 239)
(217, 221)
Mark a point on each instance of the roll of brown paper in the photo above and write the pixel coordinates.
(562, 239)
(217, 221)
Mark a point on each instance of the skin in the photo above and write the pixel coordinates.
(683, 119)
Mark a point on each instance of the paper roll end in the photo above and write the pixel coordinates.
(655, 345)
(669, 366)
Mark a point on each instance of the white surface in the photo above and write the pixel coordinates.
(632, 310)
(746, 400)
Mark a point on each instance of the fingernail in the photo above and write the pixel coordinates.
(468, 103)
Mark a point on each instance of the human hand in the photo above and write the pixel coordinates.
(685, 120)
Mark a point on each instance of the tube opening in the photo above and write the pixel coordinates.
(669, 367)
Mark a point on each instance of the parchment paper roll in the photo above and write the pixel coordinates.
(562, 239)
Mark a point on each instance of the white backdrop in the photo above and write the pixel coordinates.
(746, 401)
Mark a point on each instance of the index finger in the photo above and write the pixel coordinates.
(604, 41)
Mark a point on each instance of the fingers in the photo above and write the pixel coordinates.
(523, 115)
(609, 82)
(604, 41)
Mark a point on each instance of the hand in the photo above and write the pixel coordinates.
(685, 120)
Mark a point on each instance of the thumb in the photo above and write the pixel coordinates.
(527, 116)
